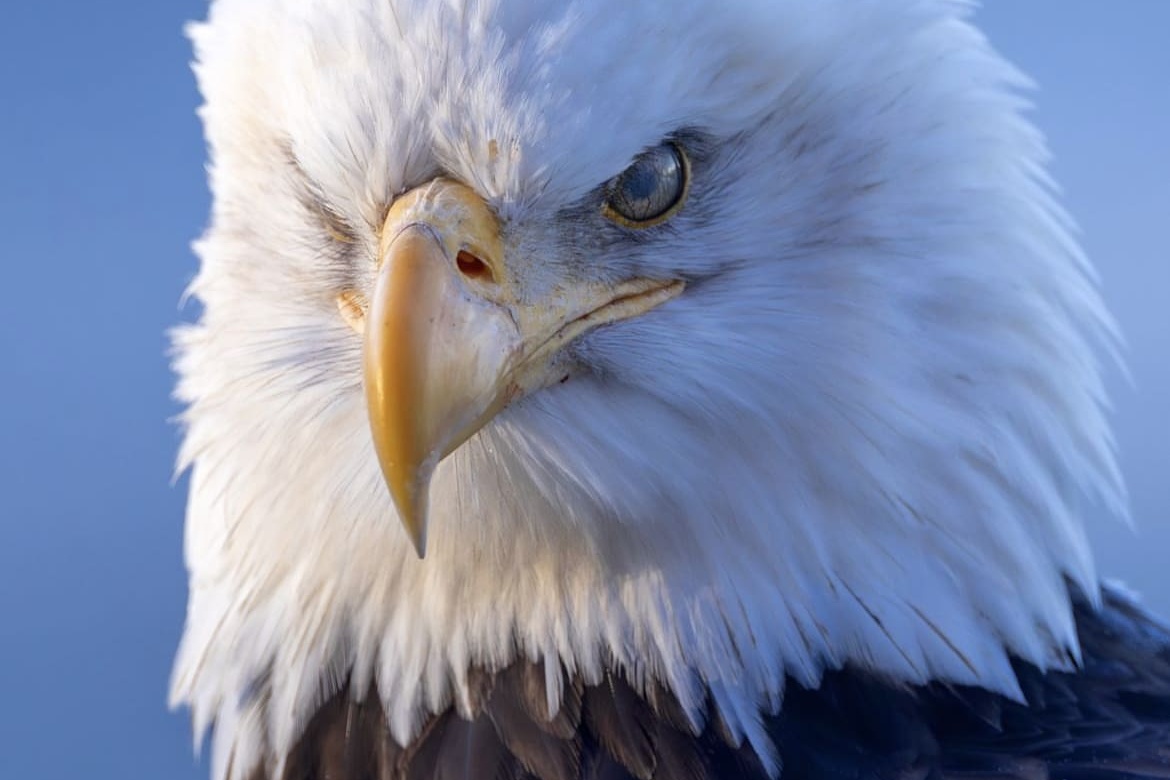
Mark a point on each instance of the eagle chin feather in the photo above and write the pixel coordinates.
(849, 465)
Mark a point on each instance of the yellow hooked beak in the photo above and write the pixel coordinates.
(448, 341)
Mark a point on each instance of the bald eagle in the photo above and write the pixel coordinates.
(602, 389)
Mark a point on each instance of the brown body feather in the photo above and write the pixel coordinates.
(1109, 721)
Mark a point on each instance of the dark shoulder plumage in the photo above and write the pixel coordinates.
(1109, 721)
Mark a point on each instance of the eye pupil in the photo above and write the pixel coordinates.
(650, 190)
(639, 183)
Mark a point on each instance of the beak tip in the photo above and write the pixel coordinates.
(413, 516)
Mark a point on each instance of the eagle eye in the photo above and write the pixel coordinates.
(651, 190)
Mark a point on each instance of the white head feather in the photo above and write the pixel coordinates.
(862, 436)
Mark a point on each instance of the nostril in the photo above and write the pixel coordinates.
(473, 268)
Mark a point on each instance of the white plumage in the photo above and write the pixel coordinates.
(868, 433)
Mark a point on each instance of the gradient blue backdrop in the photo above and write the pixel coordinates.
(101, 191)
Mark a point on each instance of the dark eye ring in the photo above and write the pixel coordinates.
(651, 190)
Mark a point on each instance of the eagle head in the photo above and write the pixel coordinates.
(719, 344)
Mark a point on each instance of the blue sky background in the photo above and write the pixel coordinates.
(101, 193)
